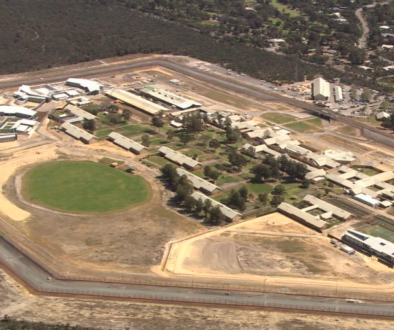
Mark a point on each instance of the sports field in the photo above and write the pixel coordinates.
(84, 187)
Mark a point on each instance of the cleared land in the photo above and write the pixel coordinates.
(303, 127)
(278, 118)
(272, 245)
(83, 187)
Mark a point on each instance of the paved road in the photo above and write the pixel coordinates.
(38, 279)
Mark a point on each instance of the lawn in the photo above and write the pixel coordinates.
(303, 127)
(160, 161)
(367, 170)
(134, 129)
(278, 118)
(104, 132)
(259, 188)
(227, 179)
(83, 187)
(315, 121)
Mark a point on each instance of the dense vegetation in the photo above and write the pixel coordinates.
(45, 33)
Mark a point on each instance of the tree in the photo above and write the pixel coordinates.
(215, 216)
(263, 198)
(385, 104)
(170, 134)
(113, 108)
(279, 189)
(89, 124)
(357, 56)
(214, 144)
(207, 206)
(260, 171)
(237, 160)
(199, 206)
(233, 134)
(182, 193)
(306, 183)
(193, 124)
(207, 170)
(205, 139)
(354, 93)
(185, 138)
(236, 200)
(126, 114)
(145, 140)
(157, 122)
(114, 118)
(243, 191)
(277, 199)
(366, 94)
(190, 203)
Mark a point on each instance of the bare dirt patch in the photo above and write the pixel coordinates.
(345, 144)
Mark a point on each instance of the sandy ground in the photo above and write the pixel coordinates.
(272, 245)
(8, 168)
(19, 304)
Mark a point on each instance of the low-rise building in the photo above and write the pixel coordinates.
(382, 115)
(169, 98)
(136, 101)
(89, 86)
(79, 112)
(375, 245)
(230, 214)
(199, 183)
(78, 133)
(126, 143)
(21, 112)
(320, 89)
(180, 159)
(329, 209)
(8, 138)
(302, 217)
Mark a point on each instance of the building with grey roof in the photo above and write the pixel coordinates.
(180, 159)
(126, 143)
(169, 98)
(79, 112)
(136, 101)
(78, 133)
(329, 209)
(229, 213)
(302, 217)
(199, 183)
(375, 245)
(8, 138)
(262, 148)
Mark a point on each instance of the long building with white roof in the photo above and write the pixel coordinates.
(329, 209)
(179, 158)
(126, 143)
(89, 86)
(375, 245)
(136, 101)
(230, 214)
(170, 98)
(7, 110)
(78, 133)
(199, 183)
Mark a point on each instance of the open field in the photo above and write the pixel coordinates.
(83, 187)
(278, 118)
(266, 246)
(380, 231)
(345, 144)
(303, 127)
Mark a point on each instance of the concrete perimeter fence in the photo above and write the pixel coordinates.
(241, 285)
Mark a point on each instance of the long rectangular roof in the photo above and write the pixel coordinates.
(79, 112)
(198, 182)
(125, 142)
(178, 158)
(227, 212)
(136, 101)
(89, 85)
(292, 210)
(77, 132)
(327, 207)
(375, 243)
(12, 110)
(171, 98)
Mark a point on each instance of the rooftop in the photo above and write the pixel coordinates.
(125, 142)
(198, 182)
(77, 132)
(178, 158)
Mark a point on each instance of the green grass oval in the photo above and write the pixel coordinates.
(83, 187)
